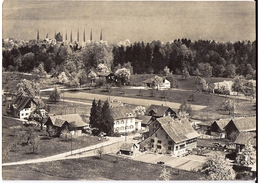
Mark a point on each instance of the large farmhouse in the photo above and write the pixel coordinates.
(172, 136)
(56, 125)
(22, 107)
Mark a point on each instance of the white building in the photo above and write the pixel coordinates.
(124, 119)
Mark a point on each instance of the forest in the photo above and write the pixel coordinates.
(206, 58)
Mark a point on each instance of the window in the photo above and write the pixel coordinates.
(122, 128)
(159, 141)
(176, 147)
(158, 146)
(182, 146)
(122, 122)
(22, 114)
(152, 145)
(131, 126)
(169, 148)
(152, 140)
(170, 142)
(166, 136)
(26, 114)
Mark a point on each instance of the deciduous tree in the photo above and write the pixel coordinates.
(218, 168)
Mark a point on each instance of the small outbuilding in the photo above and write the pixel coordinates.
(128, 148)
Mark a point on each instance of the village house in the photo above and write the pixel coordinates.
(22, 107)
(94, 74)
(237, 125)
(124, 119)
(158, 111)
(171, 136)
(162, 83)
(217, 128)
(224, 87)
(56, 125)
(128, 148)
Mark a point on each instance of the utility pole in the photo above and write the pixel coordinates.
(71, 143)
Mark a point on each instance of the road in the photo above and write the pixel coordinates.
(128, 100)
(110, 146)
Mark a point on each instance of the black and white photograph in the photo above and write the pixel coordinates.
(128, 90)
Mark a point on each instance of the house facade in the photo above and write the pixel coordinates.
(22, 107)
(124, 119)
(170, 136)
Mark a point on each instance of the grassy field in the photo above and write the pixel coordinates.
(93, 168)
(47, 146)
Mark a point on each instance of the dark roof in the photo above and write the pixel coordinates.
(178, 130)
(144, 119)
(222, 123)
(74, 119)
(246, 137)
(159, 110)
(245, 124)
(123, 112)
(127, 146)
(20, 102)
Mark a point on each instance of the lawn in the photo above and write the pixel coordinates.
(93, 168)
(47, 146)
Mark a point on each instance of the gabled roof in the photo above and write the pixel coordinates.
(122, 112)
(159, 110)
(244, 138)
(245, 124)
(144, 119)
(20, 102)
(177, 130)
(221, 123)
(127, 146)
(74, 119)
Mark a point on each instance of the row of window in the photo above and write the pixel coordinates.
(121, 122)
(159, 147)
(191, 141)
(160, 141)
(123, 128)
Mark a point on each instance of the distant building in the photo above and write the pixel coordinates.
(22, 107)
(162, 84)
(243, 139)
(158, 111)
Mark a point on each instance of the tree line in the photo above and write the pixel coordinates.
(203, 57)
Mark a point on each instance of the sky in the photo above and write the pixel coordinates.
(146, 21)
